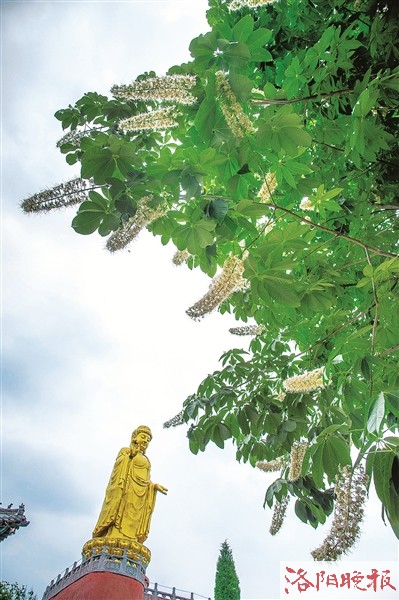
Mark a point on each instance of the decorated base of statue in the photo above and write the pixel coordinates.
(110, 569)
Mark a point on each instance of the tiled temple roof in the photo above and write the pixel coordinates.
(11, 519)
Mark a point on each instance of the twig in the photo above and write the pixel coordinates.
(376, 314)
(325, 338)
(268, 101)
(328, 145)
(336, 234)
(383, 207)
(389, 350)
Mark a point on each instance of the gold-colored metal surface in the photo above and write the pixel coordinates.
(129, 501)
(117, 547)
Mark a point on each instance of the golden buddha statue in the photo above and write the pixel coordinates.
(125, 517)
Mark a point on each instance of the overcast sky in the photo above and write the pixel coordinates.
(94, 345)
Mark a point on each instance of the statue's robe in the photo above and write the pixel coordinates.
(129, 499)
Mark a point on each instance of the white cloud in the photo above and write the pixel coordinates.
(182, 11)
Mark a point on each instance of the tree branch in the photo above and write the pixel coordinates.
(336, 234)
(268, 101)
(327, 337)
(376, 303)
(328, 145)
(389, 350)
(383, 207)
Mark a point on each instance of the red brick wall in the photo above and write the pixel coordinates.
(103, 586)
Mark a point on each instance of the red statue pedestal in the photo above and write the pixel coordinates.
(104, 576)
(102, 586)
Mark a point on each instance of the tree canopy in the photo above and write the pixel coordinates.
(227, 585)
(270, 161)
(14, 591)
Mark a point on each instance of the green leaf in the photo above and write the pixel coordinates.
(317, 466)
(97, 163)
(251, 414)
(87, 222)
(241, 86)
(385, 461)
(193, 445)
(243, 28)
(365, 368)
(224, 431)
(243, 422)
(251, 209)
(195, 236)
(291, 138)
(217, 209)
(271, 491)
(318, 301)
(261, 55)
(284, 131)
(93, 207)
(392, 401)
(203, 46)
(382, 470)
(335, 453)
(326, 433)
(258, 39)
(300, 511)
(109, 223)
(237, 54)
(98, 200)
(289, 425)
(280, 290)
(365, 103)
(125, 205)
(205, 118)
(271, 423)
(376, 414)
(72, 158)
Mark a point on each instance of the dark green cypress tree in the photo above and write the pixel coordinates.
(227, 584)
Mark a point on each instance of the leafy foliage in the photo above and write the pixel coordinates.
(14, 591)
(227, 585)
(319, 84)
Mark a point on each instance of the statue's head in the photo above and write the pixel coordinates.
(141, 437)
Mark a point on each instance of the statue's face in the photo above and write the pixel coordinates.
(142, 440)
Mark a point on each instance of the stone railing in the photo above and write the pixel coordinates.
(157, 592)
(122, 565)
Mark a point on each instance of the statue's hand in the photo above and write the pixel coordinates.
(160, 488)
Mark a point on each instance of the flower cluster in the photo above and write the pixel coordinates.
(248, 330)
(230, 280)
(281, 396)
(175, 421)
(72, 137)
(306, 382)
(62, 195)
(280, 509)
(297, 454)
(306, 204)
(238, 4)
(171, 88)
(180, 257)
(236, 118)
(351, 493)
(155, 120)
(268, 186)
(271, 465)
(132, 227)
